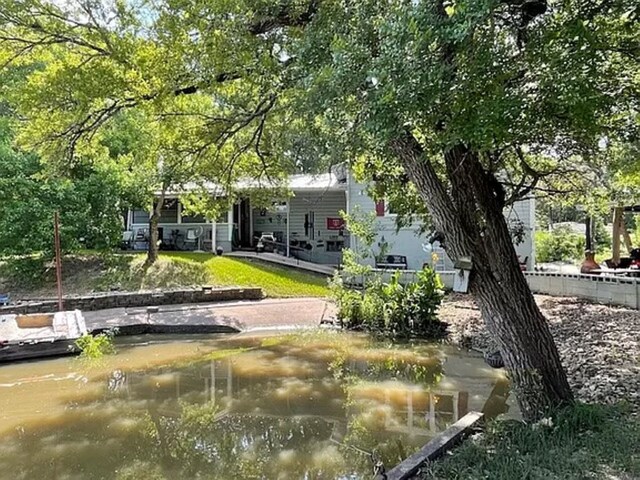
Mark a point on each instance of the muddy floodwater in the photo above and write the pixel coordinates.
(307, 405)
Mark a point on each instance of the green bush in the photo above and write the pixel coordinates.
(560, 244)
(392, 308)
(96, 346)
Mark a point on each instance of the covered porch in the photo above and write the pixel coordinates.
(178, 231)
(307, 226)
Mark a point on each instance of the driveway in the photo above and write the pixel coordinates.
(242, 316)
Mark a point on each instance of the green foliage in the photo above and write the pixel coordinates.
(94, 347)
(88, 201)
(582, 441)
(25, 271)
(392, 308)
(560, 244)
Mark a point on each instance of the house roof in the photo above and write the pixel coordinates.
(325, 181)
(296, 183)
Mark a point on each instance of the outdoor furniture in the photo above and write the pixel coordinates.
(127, 240)
(620, 272)
(394, 262)
(266, 242)
(142, 236)
(523, 263)
(4, 299)
(192, 238)
(625, 262)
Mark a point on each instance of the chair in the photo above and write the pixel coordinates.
(397, 262)
(127, 240)
(4, 299)
(142, 236)
(192, 238)
(523, 263)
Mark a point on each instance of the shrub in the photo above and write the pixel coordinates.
(96, 346)
(392, 308)
(558, 245)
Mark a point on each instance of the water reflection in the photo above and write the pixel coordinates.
(309, 405)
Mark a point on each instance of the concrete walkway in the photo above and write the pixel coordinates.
(287, 261)
(243, 316)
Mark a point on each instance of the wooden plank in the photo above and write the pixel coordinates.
(13, 352)
(436, 447)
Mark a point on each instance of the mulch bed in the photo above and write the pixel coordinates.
(599, 344)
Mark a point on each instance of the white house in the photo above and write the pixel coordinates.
(309, 225)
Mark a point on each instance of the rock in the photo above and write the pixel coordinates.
(494, 359)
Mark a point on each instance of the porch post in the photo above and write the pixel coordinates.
(240, 222)
(230, 223)
(347, 210)
(214, 232)
(288, 229)
(250, 223)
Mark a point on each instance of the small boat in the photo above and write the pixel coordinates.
(40, 335)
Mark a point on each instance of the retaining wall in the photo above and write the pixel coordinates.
(598, 288)
(101, 301)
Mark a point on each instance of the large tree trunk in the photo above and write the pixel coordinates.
(470, 214)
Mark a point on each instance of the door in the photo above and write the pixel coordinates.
(309, 225)
(245, 223)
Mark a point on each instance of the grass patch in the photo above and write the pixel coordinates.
(581, 442)
(34, 276)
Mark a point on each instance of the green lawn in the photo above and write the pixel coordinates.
(276, 281)
(90, 271)
(581, 442)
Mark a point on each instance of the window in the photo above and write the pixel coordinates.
(169, 213)
(384, 209)
(140, 216)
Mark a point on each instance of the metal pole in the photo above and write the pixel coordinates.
(56, 235)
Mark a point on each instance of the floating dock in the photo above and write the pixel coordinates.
(40, 335)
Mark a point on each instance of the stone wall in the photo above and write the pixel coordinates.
(101, 301)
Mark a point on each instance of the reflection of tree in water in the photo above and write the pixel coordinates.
(217, 445)
(308, 409)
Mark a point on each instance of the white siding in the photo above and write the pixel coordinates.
(323, 204)
(327, 204)
(525, 211)
(409, 243)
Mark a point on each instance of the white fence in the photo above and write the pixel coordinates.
(598, 288)
(623, 291)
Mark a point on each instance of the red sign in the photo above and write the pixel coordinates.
(335, 223)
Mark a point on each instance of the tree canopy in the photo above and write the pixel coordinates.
(461, 106)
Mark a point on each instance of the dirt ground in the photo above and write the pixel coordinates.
(599, 344)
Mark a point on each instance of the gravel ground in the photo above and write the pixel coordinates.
(599, 344)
